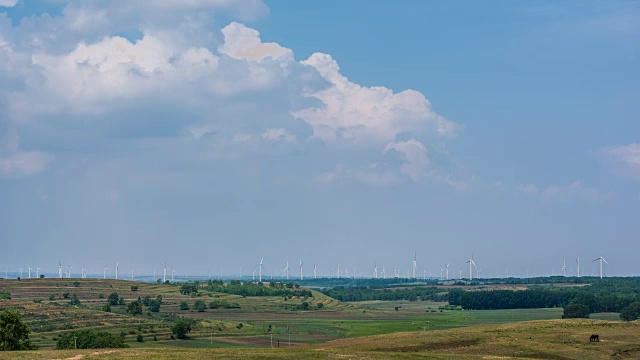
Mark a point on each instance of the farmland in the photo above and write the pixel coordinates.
(326, 328)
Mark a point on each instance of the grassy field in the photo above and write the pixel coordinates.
(550, 339)
(298, 333)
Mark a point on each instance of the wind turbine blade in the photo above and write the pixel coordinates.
(596, 259)
(605, 261)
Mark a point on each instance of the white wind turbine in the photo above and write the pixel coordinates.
(415, 264)
(117, 264)
(564, 267)
(69, 273)
(338, 271)
(601, 258)
(59, 270)
(375, 270)
(446, 268)
(104, 273)
(578, 264)
(301, 269)
(164, 276)
(253, 277)
(260, 265)
(286, 270)
(315, 274)
(471, 262)
(83, 275)
(21, 273)
(37, 272)
(384, 272)
(29, 267)
(173, 271)
(441, 271)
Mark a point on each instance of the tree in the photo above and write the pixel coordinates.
(181, 328)
(576, 311)
(14, 333)
(88, 339)
(74, 300)
(106, 308)
(139, 338)
(134, 287)
(134, 308)
(320, 305)
(199, 305)
(113, 298)
(631, 312)
(184, 306)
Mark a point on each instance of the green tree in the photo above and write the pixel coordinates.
(320, 305)
(184, 306)
(199, 305)
(576, 311)
(134, 287)
(88, 339)
(74, 300)
(181, 328)
(134, 308)
(139, 338)
(113, 298)
(14, 333)
(106, 308)
(631, 312)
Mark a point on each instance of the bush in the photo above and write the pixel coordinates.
(121, 301)
(106, 308)
(184, 306)
(154, 306)
(14, 333)
(576, 311)
(304, 305)
(74, 300)
(631, 312)
(76, 283)
(320, 305)
(134, 287)
(199, 305)
(52, 297)
(134, 308)
(37, 301)
(88, 339)
(65, 295)
(139, 338)
(100, 296)
(113, 298)
(181, 328)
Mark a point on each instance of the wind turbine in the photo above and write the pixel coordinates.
(29, 267)
(578, 263)
(37, 272)
(564, 268)
(83, 275)
(286, 270)
(117, 271)
(172, 272)
(131, 274)
(375, 270)
(301, 269)
(104, 274)
(446, 267)
(471, 262)
(253, 277)
(69, 273)
(164, 276)
(59, 270)
(20, 273)
(338, 271)
(261, 261)
(315, 274)
(415, 264)
(384, 272)
(601, 258)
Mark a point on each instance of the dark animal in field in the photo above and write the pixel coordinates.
(595, 338)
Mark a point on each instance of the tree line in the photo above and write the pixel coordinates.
(375, 293)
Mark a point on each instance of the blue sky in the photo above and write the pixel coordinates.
(207, 134)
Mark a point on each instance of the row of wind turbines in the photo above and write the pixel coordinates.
(339, 273)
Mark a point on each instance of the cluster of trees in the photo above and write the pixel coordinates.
(182, 327)
(88, 339)
(372, 293)
(113, 299)
(541, 298)
(14, 333)
(631, 312)
(237, 287)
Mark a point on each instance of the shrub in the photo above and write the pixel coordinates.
(65, 295)
(52, 297)
(576, 311)
(76, 283)
(74, 300)
(88, 339)
(320, 305)
(184, 306)
(181, 328)
(631, 312)
(121, 301)
(100, 296)
(113, 298)
(134, 287)
(199, 305)
(5, 296)
(139, 338)
(134, 308)
(106, 308)
(14, 333)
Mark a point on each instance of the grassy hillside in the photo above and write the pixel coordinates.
(554, 339)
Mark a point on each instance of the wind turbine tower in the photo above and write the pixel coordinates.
(37, 272)
(104, 273)
(173, 271)
(117, 270)
(164, 276)
(446, 268)
(260, 266)
(471, 262)
(59, 270)
(578, 264)
(301, 269)
(375, 270)
(29, 267)
(601, 258)
(564, 268)
(315, 274)
(415, 264)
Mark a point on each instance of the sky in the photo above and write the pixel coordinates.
(210, 133)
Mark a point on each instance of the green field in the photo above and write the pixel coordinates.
(245, 331)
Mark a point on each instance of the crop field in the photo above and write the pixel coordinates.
(368, 329)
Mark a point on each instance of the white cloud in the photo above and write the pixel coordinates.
(241, 42)
(575, 190)
(277, 135)
(414, 157)
(351, 113)
(627, 157)
(23, 163)
(8, 3)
